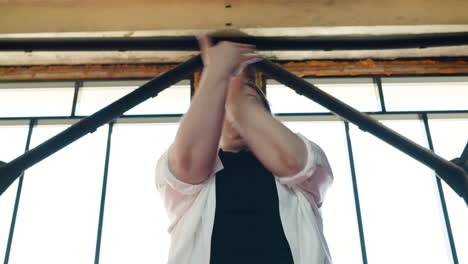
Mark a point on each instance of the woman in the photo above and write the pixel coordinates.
(238, 185)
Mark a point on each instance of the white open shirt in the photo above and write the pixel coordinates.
(191, 210)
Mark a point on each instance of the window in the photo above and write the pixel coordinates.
(380, 199)
(399, 200)
(21, 99)
(426, 93)
(360, 93)
(13, 136)
(59, 206)
(95, 95)
(135, 224)
(449, 136)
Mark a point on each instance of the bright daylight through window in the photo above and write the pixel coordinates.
(379, 194)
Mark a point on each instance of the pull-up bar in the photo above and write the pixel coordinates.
(455, 176)
(189, 43)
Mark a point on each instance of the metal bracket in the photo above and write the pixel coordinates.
(462, 162)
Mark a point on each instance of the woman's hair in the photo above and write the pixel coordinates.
(252, 81)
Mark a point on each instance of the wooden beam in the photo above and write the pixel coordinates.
(302, 69)
(33, 16)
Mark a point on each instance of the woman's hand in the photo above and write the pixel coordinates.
(226, 58)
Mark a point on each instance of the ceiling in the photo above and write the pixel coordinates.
(33, 16)
(118, 18)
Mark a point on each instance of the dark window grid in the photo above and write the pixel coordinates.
(32, 123)
(103, 194)
(376, 78)
(373, 114)
(378, 83)
(356, 194)
(443, 203)
(189, 81)
(78, 85)
(355, 187)
(171, 116)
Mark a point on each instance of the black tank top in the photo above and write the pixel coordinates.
(247, 226)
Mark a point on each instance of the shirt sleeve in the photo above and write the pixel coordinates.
(316, 177)
(164, 176)
(177, 195)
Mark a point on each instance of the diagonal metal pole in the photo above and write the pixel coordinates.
(455, 176)
(451, 173)
(12, 170)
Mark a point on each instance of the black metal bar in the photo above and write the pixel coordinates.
(88, 125)
(32, 122)
(441, 195)
(451, 173)
(356, 195)
(378, 82)
(464, 155)
(189, 43)
(103, 194)
(78, 85)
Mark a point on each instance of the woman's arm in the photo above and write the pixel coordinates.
(278, 148)
(193, 153)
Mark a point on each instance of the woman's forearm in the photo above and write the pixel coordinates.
(193, 153)
(279, 149)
